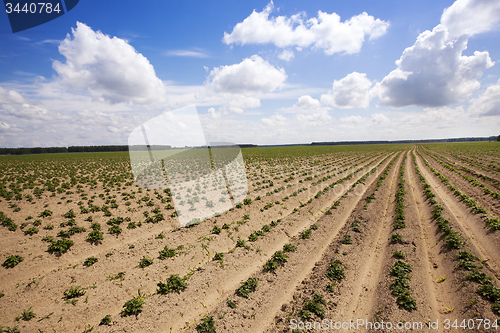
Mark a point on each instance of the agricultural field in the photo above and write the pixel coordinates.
(327, 236)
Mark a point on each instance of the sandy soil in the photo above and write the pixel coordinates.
(41, 279)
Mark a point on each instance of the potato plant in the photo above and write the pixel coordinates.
(12, 261)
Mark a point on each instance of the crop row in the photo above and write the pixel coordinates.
(401, 270)
(335, 272)
(486, 166)
(491, 221)
(454, 240)
(470, 179)
(471, 171)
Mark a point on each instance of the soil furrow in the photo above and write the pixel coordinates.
(487, 243)
(256, 313)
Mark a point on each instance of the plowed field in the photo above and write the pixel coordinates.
(347, 238)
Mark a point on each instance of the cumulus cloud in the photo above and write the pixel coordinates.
(307, 101)
(286, 55)
(324, 32)
(379, 119)
(252, 75)
(11, 97)
(352, 91)
(437, 118)
(318, 118)
(276, 120)
(14, 104)
(238, 86)
(108, 68)
(374, 119)
(470, 17)
(433, 72)
(213, 114)
(236, 103)
(488, 104)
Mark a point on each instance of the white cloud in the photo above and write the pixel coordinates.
(436, 118)
(318, 118)
(325, 32)
(252, 75)
(236, 103)
(379, 119)
(352, 91)
(354, 120)
(470, 17)
(307, 101)
(108, 68)
(49, 41)
(237, 86)
(4, 126)
(186, 53)
(433, 72)
(213, 113)
(276, 120)
(488, 104)
(14, 104)
(286, 55)
(11, 97)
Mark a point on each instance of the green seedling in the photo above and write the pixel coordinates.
(207, 325)
(218, 256)
(173, 283)
(306, 234)
(118, 276)
(106, 320)
(74, 292)
(12, 261)
(133, 306)
(26, 315)
(167, 253)
(399, 254)
(247, 287)
(346, 240)
(90, 261)
(289, 248)
(396, 238)
(231, 304)
(335, 272)
(145, 262)
(60, 246)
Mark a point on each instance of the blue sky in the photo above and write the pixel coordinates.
(258, 72)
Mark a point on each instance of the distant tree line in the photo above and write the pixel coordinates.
(36, 150)
(51, 150)
(95, 149)
(491, 138)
